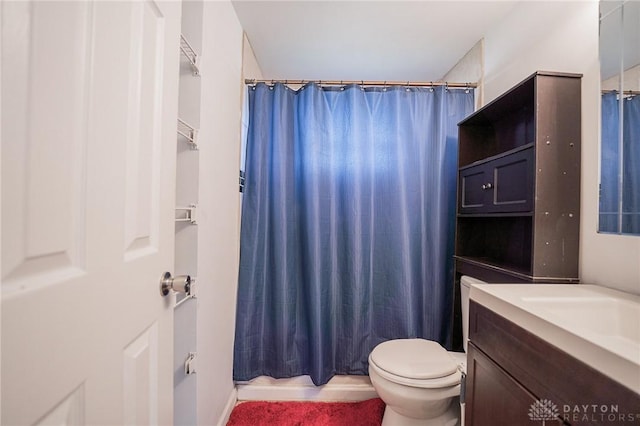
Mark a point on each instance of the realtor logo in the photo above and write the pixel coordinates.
(543, 410)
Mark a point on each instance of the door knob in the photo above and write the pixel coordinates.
(487, 185)
(179, 284)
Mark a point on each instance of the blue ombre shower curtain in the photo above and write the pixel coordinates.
(631, 166)
(609, 164)
(620, 199)
(347, 225)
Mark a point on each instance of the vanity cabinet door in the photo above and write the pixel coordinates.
(495, 398)
(501, 185)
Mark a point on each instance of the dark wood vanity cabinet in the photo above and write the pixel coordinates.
(518, 212)
(510, 369)
(494, 398)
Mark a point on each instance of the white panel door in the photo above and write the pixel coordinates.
(89, 106)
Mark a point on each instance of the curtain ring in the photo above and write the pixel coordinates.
(384, 88)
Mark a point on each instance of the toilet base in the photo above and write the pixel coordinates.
(451, 417)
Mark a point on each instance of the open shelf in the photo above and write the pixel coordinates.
(499, 241)
(491, 270)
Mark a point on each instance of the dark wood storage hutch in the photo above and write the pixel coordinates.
(519, 184)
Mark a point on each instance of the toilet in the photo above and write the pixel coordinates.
(418, 379)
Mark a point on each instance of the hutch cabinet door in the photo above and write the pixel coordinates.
(473, 189)
(501, 185)
(513, 182)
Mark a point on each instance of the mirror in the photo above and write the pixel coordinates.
(619, 209)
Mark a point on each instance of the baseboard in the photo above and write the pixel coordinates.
(301, 388)
(228, 408)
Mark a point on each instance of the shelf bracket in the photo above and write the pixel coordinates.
(186, 214)
(190, 364)
(190, 54)
(187, 296)
(189, 132)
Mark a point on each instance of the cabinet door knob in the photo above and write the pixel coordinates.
(487, 185)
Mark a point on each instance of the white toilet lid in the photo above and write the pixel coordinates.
(413, 359)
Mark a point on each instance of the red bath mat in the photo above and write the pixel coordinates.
(263, 413)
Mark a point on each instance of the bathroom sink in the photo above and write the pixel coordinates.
(598, 325)
(602, 315)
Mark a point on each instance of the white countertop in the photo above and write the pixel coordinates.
(597, 325)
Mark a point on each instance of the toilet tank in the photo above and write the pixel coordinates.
(465, 285)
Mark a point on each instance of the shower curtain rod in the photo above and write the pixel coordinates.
(625, 92)
(368, 83)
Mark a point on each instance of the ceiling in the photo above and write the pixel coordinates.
(365, 40)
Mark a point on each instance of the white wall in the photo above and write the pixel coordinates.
(470, 69)
(250, 67)
(186, 235)
(563, 36)
(218, 249)
(250, 70)
(631, 79)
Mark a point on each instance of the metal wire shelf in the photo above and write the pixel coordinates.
(190, 54)
(189, 132)
(186, 214)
